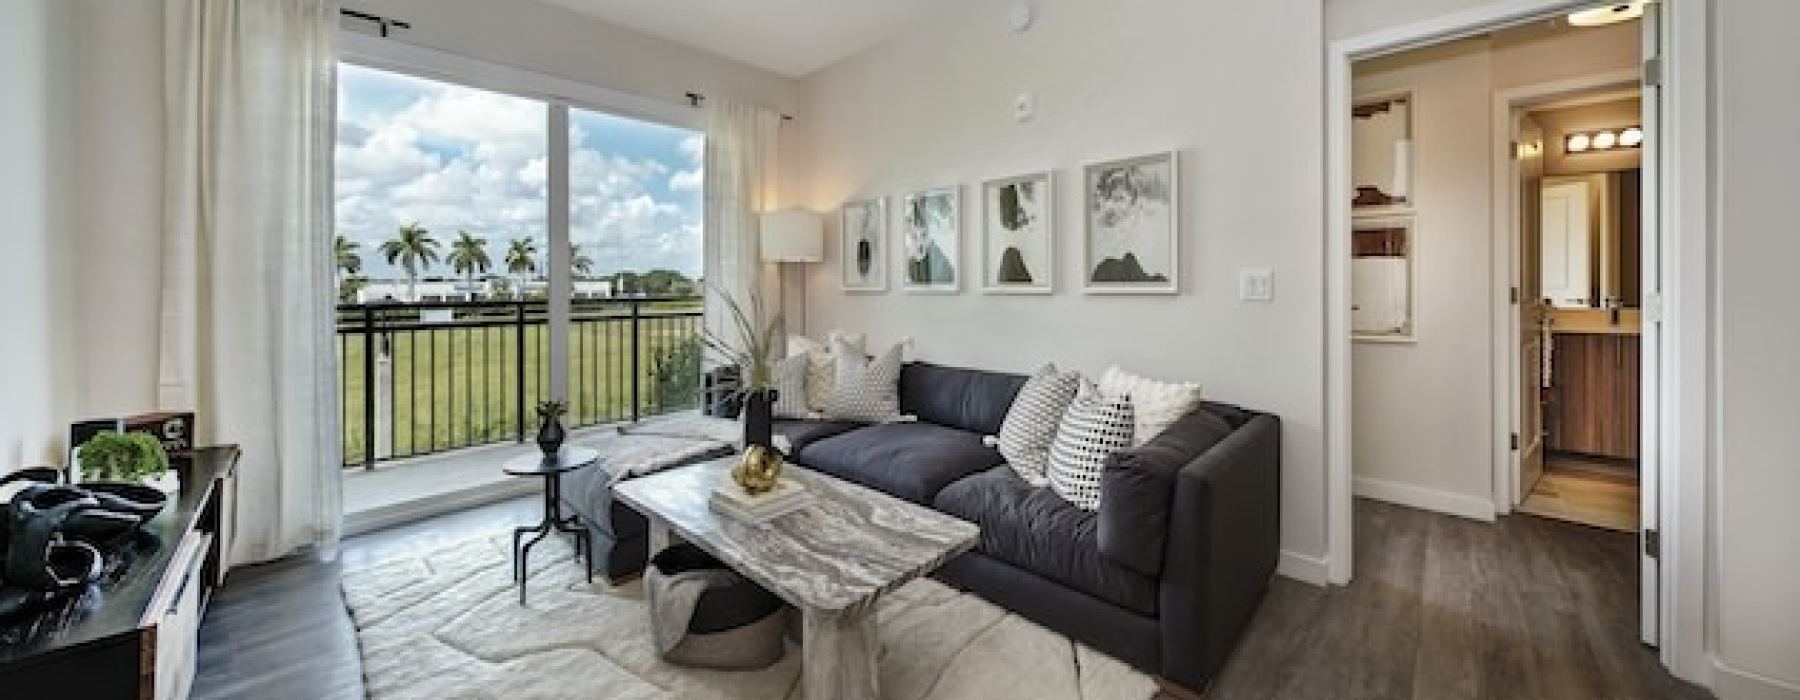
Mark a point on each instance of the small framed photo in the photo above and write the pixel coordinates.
(1132, 209)
(930, 227)
(1018, 235)
(863, 235)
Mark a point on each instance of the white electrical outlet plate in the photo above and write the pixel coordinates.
(1024, 106)
(1256, 284)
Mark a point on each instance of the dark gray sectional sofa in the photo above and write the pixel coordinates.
(1164, 576)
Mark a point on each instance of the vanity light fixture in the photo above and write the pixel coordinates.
(1603, 140)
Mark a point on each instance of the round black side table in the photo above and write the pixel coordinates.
(551, 469)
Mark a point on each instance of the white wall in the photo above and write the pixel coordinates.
(1113, 79)
(34, 193)
(1424, 412)
(1757, 477)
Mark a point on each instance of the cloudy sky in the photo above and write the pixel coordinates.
(455, 159)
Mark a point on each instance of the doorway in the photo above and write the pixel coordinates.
(1578, 232)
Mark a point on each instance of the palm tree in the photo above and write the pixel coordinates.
(349, 262)
(348, 288)
(578, 263)
(413, 249)
(521, 259)
(468, 257)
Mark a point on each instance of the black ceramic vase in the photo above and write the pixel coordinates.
(550, 433)
(758, 418)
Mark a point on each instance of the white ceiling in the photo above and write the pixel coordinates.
(789, 37)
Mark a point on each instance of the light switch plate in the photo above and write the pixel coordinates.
(1256, 284)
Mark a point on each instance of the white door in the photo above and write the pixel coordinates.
(1566, 252)
(1650, 447)
(1533, 331)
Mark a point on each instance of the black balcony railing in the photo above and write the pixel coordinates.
(448, 375)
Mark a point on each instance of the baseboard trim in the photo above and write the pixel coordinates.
(1731, 683)
(436, 504)
(1456, 504)
(1302, 568)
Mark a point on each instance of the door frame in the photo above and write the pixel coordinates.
(1685, 407)
(1508, 236)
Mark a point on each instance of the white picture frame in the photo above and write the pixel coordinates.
(930, 242)
(1132, 220)
(862, 245)
(1018, 234)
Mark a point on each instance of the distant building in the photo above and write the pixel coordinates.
(440, 291)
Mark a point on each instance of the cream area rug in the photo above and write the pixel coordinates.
(449, 625)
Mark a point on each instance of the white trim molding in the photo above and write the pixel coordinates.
(1304, 568)
(1460, 505)
(1732, 683)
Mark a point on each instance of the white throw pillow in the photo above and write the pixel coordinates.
(821, 372)
(1031, 422)
(865, 390)
(1156, 404)
(790, 388)
(1095, 426)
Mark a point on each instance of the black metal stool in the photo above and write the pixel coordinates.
(551, 469)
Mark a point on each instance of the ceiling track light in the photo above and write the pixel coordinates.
(1608, 14)
(1604, 140)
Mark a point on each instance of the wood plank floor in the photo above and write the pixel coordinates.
(1441, 608)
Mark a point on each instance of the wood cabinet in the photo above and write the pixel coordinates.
(133, 634)
(1594, 394)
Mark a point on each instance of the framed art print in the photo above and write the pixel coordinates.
(1132, 212)
(929, 227)
(863, 230)
(1017, 235)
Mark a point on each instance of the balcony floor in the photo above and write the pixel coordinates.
(416, 488)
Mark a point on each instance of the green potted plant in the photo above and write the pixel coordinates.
(126, 457)
(753, 351)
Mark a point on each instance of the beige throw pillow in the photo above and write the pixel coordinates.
(821, 364)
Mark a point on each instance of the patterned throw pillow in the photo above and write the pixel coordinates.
(1094, 427)
(1156, 404)
(1031, 422)
(790, 389)
(866, 391)
(821, 373)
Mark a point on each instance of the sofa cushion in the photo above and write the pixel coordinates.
(907, 460)
(1036, 530)
(971, 399)
(801, 433)
(1139, 488)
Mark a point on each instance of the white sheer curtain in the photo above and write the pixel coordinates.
(741, 145)
(247, 294)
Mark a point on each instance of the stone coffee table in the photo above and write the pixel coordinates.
(832, 559)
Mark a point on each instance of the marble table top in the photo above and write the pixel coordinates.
(837, 554)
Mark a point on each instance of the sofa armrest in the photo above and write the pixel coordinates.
(1224, 540)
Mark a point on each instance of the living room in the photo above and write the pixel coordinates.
(955, 95)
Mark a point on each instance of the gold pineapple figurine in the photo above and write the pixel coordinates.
(758, 471)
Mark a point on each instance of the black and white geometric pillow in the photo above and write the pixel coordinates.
(790, 388)
(1094, 427)
(866, 391)
(1031, 422)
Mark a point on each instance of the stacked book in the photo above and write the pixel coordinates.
(731, 501)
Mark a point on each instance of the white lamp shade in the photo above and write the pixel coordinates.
(793, 235)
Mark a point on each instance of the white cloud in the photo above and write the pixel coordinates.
(460, 159)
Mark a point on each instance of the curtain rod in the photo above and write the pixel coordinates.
(696, 99)
(380, 21)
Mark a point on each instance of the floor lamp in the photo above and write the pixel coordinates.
(793, 236)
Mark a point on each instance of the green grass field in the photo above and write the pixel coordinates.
(456, 387)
